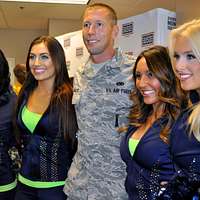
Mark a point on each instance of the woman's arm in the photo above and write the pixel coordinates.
(181, 187)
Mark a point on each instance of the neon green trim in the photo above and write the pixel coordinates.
(39, 184)
(132, 144)
(10, 186)
(30, 119)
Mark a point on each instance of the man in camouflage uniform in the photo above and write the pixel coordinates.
(101, 96)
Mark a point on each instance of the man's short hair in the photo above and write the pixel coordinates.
(112, 13)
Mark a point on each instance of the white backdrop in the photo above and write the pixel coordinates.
(142, 31)
(75, 51)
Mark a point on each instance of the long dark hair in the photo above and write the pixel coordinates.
(171, 95)
(4, 79)
(61, 99)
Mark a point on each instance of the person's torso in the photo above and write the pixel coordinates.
(45, 154)
(102, 105)
(7, 140)
(150, 164)
(185, 148)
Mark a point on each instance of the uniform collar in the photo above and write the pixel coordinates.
(91, 69)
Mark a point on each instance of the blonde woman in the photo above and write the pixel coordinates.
(185, 137)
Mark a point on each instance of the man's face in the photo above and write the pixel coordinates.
(98, 31)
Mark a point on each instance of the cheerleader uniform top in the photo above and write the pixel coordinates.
(7, 142)
(46, 156)
(150, 163)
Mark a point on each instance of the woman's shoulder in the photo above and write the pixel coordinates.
(181, 124)
(8, 97)
(131, 128)
(184, 114)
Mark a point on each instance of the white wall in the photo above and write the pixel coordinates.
(59, 27)
(15, 43)
(187, 10)
(11, 63)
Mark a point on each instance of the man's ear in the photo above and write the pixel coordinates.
(115, 31)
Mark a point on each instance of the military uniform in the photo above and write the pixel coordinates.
(101, 95)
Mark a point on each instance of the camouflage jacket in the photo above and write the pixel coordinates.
(101, 95)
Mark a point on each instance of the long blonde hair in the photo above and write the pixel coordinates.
(191, 31)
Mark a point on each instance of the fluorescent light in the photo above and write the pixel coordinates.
(53, 1)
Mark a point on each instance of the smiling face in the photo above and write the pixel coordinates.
(41, 64)
(186, 65)
(147, 83)
(99, 33)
